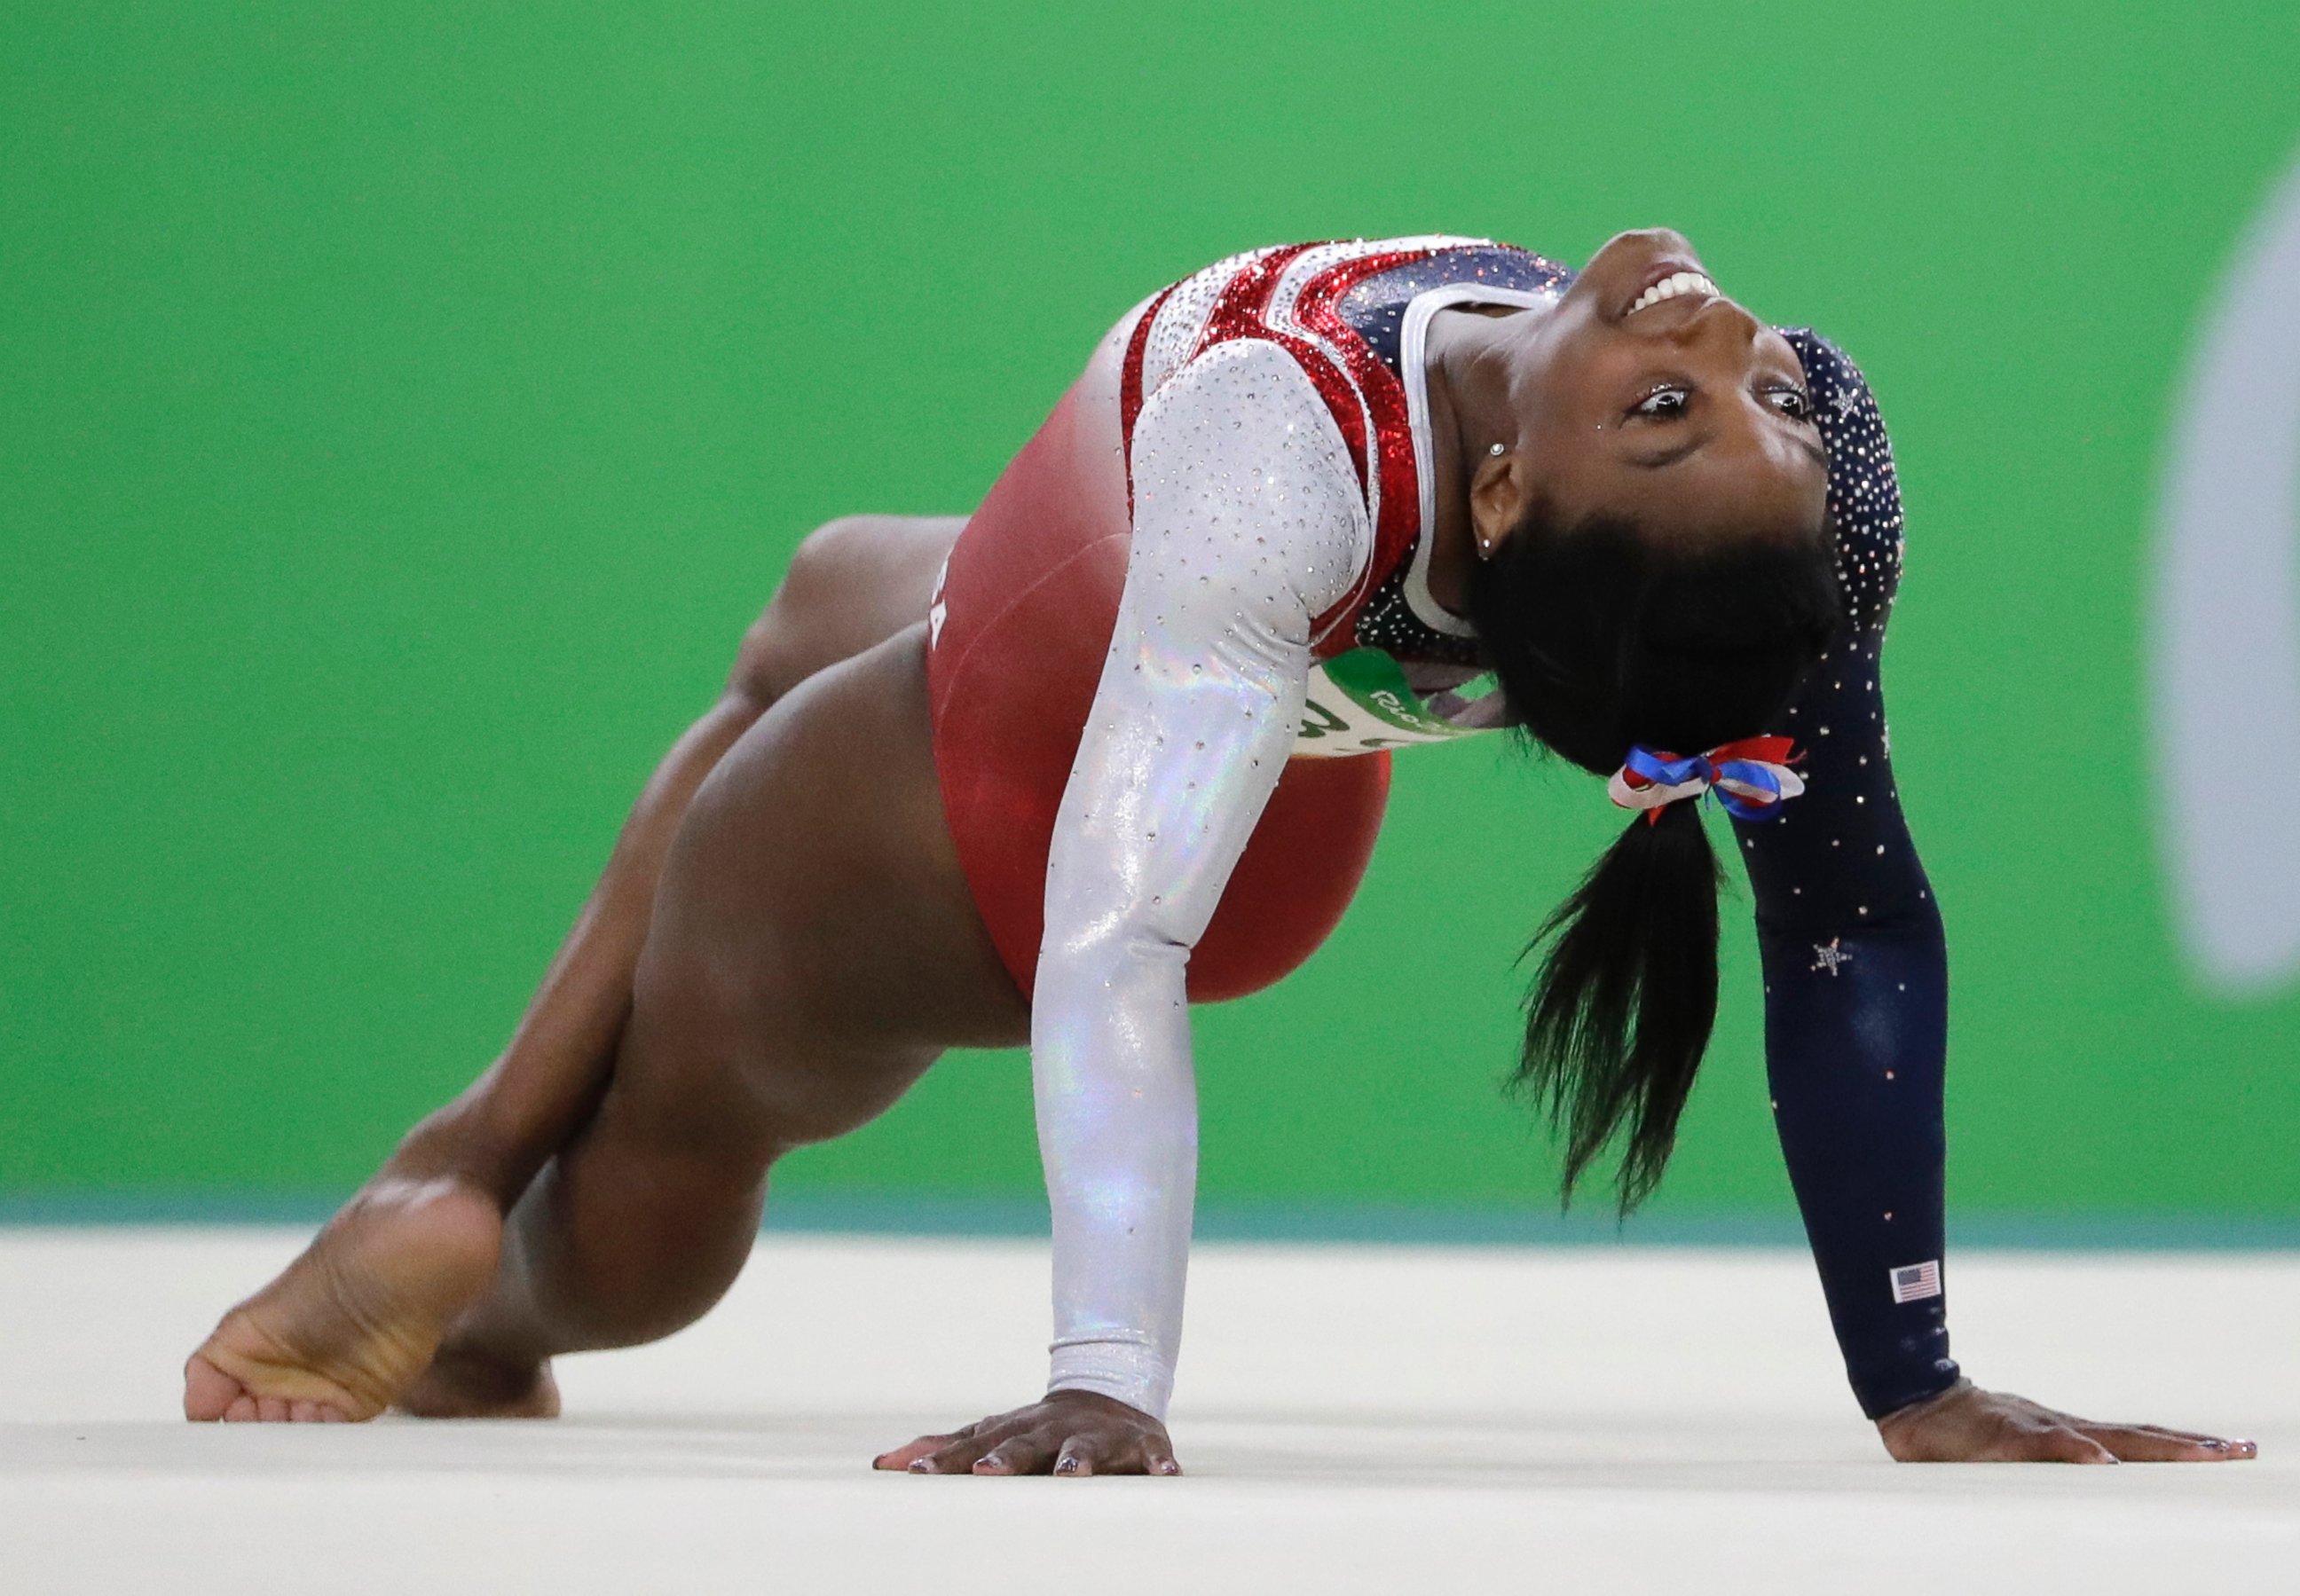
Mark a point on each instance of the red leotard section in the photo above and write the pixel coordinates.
(1029, 601)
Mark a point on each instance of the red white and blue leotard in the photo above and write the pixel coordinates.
(1307, 337)
(1209, 568)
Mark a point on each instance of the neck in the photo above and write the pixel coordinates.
(1466, 368)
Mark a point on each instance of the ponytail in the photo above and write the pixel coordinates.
(1624, 999)
(1605, 637)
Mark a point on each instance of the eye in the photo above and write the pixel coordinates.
(1664, 404)
(1791, 401)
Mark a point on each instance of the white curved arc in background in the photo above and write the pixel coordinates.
(2225, 640)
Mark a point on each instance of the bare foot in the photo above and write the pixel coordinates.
(471, 1385)
(348, 1327)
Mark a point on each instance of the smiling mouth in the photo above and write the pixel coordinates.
(1674, 286)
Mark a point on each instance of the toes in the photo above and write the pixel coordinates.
(210, 1395)
(208, 1391)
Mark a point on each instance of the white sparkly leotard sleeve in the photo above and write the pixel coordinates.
(1247, 523)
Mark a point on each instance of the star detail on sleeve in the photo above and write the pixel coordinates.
(1832, 957)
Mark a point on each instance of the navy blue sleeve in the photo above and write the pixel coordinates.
(1856, 966)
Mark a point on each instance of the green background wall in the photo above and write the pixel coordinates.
(404, 408)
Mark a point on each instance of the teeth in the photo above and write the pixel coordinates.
(1670, 287)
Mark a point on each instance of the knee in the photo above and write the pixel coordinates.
(792, 636)
(724, 1066)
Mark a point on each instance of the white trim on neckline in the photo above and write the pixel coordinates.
(1413, 344)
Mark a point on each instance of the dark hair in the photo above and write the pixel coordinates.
(1603, 635)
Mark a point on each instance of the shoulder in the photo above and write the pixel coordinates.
(1244, 393)
(1864, 492)
(1173, 325)
(1238, 458)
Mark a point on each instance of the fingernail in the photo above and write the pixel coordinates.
(922, 1466)
(1066, 1465)
(1170, 1467)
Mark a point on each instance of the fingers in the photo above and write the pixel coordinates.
(2001, 1437)
(1073, 1457)
(1158, 1458)
(1077, 1457)
(963, 1450)
(1031, 1452)
(903, 1457)
(2149, 1443)
(1082, 1455)
(925, 1446)
(2042, 1436)
(2061, 1445)
(1070, 1434)
(2214, 1444)
(1966, 1424)
(1036, 1450)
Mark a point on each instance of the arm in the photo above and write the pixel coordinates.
(1247, 522)
(1856, 966)
(1856, 1016)
(1195, 715)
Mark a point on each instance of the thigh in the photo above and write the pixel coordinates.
(814, 945)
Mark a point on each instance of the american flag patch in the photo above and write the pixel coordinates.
(1914, 1282)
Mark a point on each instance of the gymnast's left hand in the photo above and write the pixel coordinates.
(1967, 1425)
(1065, 1432)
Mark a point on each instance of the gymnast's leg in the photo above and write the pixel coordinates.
(345, 1328)
(786, 995)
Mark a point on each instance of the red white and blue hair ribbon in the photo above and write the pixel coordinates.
(1750, 778)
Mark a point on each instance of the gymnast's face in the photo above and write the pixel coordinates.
(1647, 393)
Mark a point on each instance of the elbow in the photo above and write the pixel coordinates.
(1903, 909)
(1110, 956)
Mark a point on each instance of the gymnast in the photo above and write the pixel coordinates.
(1120, 742)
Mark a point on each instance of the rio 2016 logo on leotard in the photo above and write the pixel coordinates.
(2225, 653)
(1360, 702)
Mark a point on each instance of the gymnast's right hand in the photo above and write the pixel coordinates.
(1071, 1433)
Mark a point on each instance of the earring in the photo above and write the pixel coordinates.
(1497, 449)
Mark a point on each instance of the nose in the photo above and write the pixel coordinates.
(1719, 323)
